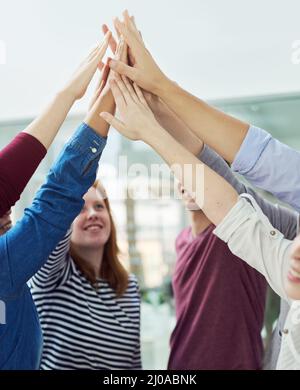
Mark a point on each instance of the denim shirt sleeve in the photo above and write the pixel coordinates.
(25, 248)
(270, 165)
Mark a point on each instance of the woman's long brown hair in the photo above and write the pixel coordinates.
(111, 270)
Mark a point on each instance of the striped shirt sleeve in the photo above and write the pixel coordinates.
(137, 359)
(52, 273)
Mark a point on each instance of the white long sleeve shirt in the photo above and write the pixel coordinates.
(251, 237)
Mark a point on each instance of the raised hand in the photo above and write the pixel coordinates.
(136, 119)
(78, 84)
(120, 51)
(144, 70)
(103, 99)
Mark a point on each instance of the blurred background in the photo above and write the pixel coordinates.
(240, 56)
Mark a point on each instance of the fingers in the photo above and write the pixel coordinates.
(101, 50)
(105, 71)
(112, 121)
(121, 53)
(135, 27)
(91, 54)
(101, 66)
(130, 89)
(104, 78)
(123, 69)
(131, 58)
(140, 95)
(112, 41)
(124, 52)
(128, 35)
(131, 25)
(118, 95)
(122, 87)
(127, 19)
(116, 28)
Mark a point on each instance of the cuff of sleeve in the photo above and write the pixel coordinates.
(207, 155)
(90, 139)
(253, 146)
(234, 219)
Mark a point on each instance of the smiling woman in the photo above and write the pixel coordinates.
(89, 306)
(94, 245)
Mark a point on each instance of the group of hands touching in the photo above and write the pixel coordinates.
(130, 58)
(141, 92)
(132, 76)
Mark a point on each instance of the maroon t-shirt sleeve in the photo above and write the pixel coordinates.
(18, 162)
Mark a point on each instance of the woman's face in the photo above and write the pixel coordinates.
(292, 284)
(92, 227)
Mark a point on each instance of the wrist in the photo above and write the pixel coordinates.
(165, 86)
(154, 136)
(66, 95)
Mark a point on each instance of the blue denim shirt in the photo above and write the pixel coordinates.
(270, 165)
(25, 248)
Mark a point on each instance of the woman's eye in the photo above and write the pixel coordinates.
(99, 206)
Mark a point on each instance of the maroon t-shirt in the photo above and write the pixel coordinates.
(220, 304)
(18, 162)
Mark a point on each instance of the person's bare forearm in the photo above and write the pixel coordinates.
(175, 126)
(218, 130)
(105, 102)
(45, 127)
(213, 194)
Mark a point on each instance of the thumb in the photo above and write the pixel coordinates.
(124, 69)
(114, 122)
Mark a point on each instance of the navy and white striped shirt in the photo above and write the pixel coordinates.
(85, 327)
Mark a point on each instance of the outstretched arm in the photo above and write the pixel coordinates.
(46, 126)
(20, 159)
(212, 192)
(260, 158)
(222, 132)
(242, 225)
